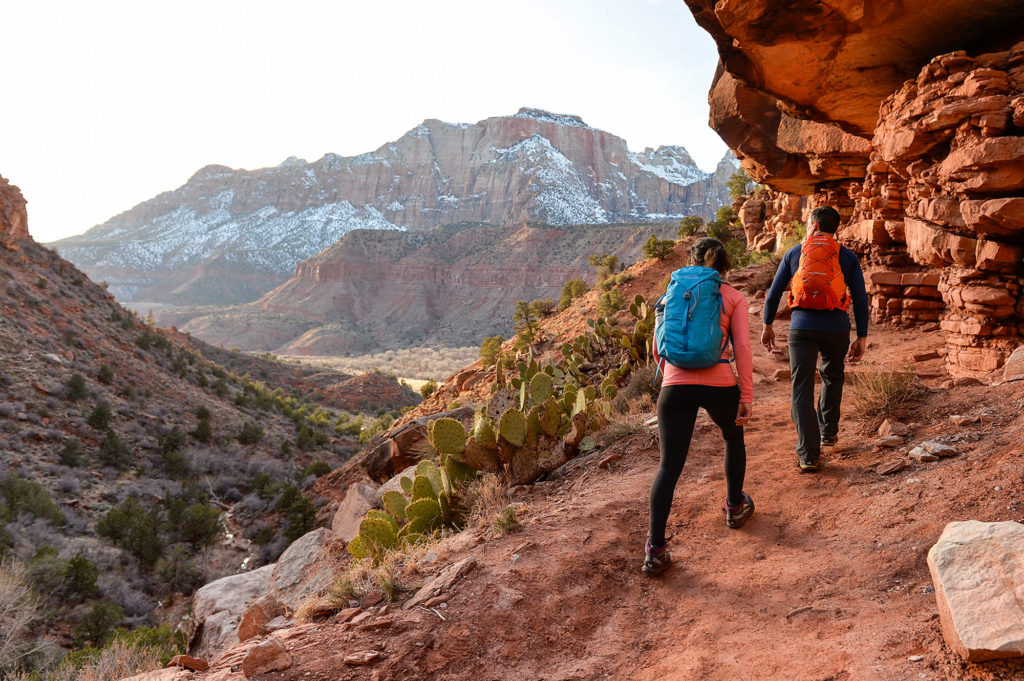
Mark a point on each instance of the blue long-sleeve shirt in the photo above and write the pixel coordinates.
(831, 321)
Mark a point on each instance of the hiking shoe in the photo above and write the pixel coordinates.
(829, 441)
(657, 560)
(807, 466)
(735, 516)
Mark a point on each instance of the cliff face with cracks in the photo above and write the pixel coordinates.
(907, 117)
(13, 216)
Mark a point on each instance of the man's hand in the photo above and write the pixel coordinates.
(768, 338)
(744, 413)
(857, 349)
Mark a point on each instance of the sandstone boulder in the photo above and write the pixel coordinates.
(269, 656)
(188, 662)
(1013, 370)
(978, 572)
(357, 501)
(254, 621)
(13, 216)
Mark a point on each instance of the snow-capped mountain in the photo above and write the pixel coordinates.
(227, 236)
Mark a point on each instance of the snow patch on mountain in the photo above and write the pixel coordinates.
(549, 117)
(269, 239)
(672, 164)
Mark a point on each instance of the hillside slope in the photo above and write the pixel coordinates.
(827, 581)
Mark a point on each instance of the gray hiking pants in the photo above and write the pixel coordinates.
(813, 424)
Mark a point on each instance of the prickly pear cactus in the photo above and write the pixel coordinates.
(424, 510)
(551, 417)
(512, 427)
(406, 485)
(483, 432)
(500, 402)
(533, 430)
(479, 457)
(540, 388)
(431, 472)
(447, 435)
(422, 489)
(395, 503)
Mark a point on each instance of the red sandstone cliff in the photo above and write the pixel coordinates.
(13, 216)
(908, 118)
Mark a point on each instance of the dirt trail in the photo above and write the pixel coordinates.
(828, 580)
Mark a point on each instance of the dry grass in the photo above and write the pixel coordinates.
(119, 660)
(487, 498)
(885, 393)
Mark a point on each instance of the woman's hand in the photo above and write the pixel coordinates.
(744, 413)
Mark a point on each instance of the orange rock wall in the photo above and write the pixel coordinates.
(13, 216)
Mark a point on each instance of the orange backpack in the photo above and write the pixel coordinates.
(818, 283)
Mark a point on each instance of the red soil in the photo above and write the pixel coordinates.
(828, 580)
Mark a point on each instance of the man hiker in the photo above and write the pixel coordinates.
(820, 271)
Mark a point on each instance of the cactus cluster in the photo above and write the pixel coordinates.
(423, 507)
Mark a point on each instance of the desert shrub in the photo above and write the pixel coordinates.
(485, 498)
(738, 184)
(80, 577)
(524, 321)
(264, 486)
(886, 393)
(658, 249)
(690, 225)
(795, 234)
(176, 572)
(573, 289)
(72, 453)
(490, 349)
(740, 257)
(605, 263)
(542, 307)
(76, 388)
(133, 528)
(641, 382)
(19, 496)
(250, 434)
(96, 623)
(506, 522)
(428, 388)
(113, 451)
(301, 518)
(199, 525)
(611, 301)
(721, 227)
(203, 432)
(99, 417)
(19, 611)
(105, 375)
(317, 468)
(172, 441)
(202, 413)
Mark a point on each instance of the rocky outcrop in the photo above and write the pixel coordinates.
(446, 287)
(228, 236)
(977, 569)
(929, 174)
(13, 216)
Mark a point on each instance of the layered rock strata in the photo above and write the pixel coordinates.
(929, 179)
(228, 236)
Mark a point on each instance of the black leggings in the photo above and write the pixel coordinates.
(677, 414)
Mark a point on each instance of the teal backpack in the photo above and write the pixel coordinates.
(688, 330)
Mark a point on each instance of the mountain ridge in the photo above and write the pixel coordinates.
(255, 226)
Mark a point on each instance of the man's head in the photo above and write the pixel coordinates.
(826, 218)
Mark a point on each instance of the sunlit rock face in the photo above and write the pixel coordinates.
(908, 117)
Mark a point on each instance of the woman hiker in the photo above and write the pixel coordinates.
(726, 397)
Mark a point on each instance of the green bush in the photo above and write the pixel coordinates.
(658, 249)
(250, 434)
(573, 289)
(132, 527)
(113, 451)
(96, 623)
(203, 431)
(690, 225)
(176, 572)
(76, 387)
(738, 184)
(99, 417)
(301, 518)
(428, 388)
(796, 233)
(721, 227)
(490, 348)
(173, 441)
(19, 496)
(611, 301)
(72, 453)
(542, 307)
(105, 375)
(317, 468)
(199, 525)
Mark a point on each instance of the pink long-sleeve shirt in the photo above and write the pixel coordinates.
(734, 320)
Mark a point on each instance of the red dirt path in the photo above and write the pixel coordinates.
(828, 580)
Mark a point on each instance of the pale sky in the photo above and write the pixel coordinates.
(107, 103)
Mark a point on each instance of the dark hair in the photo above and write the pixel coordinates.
(827, 218)
(710, 253)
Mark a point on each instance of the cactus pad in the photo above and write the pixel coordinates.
(424, 510)
(386, 517)
(447, 435)
(377, 535)
(356, 548)
(395, 503)
(483, 432)
(540, 388)
(431, 472)
(422, 489)
(533, 427)
(478, 457)
(550, 417)
(512, 427)
(500, 402)
(406, 483)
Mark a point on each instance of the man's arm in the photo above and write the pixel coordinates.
(854, 276)
(783, 275)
